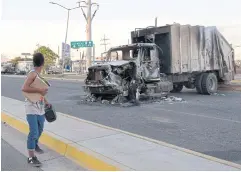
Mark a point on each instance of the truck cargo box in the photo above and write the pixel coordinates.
(190, 49)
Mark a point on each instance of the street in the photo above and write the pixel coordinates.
(207, 124)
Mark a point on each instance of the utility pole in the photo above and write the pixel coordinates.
(80, 62)
(156, 22)
(104, 42)
(94, 52)
(89, 18)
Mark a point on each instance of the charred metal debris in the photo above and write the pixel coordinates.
(133, 73)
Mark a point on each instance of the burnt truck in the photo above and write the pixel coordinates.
(163, 60)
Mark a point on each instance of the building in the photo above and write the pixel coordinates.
(25, 66)
(79, 66)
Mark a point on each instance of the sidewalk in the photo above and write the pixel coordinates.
(98, 147)
(14, 154)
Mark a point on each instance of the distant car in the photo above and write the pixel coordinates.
(67, 70)
(54, 70)
(21, 73)
(7, 70)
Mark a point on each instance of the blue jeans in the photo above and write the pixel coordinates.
(36, 125)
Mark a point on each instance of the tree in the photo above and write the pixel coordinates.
(17, 59)
(49, 56)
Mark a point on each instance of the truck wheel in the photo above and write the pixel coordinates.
(198, 83)
(177, 88)
(209, 83)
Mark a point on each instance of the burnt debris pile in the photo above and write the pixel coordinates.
(124, 102)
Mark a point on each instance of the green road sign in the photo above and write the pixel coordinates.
(81, 44)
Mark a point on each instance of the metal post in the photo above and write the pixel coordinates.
(156, 22)
(66, 34)
(67, 27)
(94, 52)
(104, 42)
(89, 17)
(88, 33)
(80, 63)
(65, 41)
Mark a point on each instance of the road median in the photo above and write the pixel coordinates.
(98, 147)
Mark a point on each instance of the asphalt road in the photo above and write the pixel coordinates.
(206, 124)
(13, 160)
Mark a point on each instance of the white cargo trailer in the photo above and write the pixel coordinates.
(194, 56)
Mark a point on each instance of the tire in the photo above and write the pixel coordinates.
(209, 83)
(177, 88)
(198, 83)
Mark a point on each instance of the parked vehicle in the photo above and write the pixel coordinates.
(7, 69)
(54, 70)
(20, 72)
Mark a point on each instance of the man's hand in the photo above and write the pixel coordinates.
(43, 91)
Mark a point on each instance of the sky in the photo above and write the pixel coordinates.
(26, 23)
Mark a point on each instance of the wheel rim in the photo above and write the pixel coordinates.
(211, 84)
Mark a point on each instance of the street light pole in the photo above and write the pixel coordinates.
(89, 18)
(67, 27)
(65, 42)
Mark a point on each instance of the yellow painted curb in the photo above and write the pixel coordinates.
(82, 158)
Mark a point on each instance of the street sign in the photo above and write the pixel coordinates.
(81, 44)
(65, 50)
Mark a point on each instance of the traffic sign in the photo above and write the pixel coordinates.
(65, 50)
(81, 44)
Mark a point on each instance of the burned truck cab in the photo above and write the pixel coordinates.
(128, 71)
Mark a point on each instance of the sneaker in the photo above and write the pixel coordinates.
(34, 161)
(39, 150)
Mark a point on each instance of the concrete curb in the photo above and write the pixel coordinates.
(191, 152)
(84, 159)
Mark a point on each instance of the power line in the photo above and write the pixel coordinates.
(104, 42)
